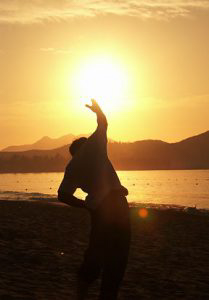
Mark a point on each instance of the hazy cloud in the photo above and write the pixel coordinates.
(47, 49)
(56, 51)
(33, 11)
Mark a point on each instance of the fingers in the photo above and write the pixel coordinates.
(90, 107)
(94, 102)
(94, 105)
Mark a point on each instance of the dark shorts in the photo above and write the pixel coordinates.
(109, 242)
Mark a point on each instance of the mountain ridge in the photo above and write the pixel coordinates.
(190, 153)
(44, 143)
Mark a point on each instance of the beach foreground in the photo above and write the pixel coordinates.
(41, 248)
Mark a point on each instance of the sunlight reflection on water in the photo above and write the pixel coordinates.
(184, 187)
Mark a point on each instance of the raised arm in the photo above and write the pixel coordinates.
(101, 118)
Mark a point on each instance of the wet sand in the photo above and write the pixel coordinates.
(41, 248)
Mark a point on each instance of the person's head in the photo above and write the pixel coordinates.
(75, 146)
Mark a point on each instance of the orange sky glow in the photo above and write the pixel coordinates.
(146, 62)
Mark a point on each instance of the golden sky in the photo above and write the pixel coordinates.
(156, 53)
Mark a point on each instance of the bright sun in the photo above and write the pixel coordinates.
(103, 79)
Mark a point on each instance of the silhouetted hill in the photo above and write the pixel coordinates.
(194, 151)
(191, 153)
(45, 143)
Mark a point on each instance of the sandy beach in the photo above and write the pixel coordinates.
(41, 248)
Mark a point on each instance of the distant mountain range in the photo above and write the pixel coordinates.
(191, 153)
(45, 143)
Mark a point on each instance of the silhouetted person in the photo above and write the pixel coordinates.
(91, 170)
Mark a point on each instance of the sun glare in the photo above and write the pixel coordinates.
(103, 79)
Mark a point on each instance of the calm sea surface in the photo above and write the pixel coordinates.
(185, 187)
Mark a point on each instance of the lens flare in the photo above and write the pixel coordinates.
(143, 213)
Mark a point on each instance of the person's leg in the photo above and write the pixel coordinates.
(91, 267)
(112, 277)
(114, 268)
(117, 242)
(82, 289)
(89, 272)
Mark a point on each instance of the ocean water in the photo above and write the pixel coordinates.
(171, 187)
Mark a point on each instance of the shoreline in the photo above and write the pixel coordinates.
(52, 200)
(125, 170)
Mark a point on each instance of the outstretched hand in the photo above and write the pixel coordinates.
(94, 107)
(101, 118)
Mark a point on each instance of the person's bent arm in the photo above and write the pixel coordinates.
(67, 188)
(70, 200)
